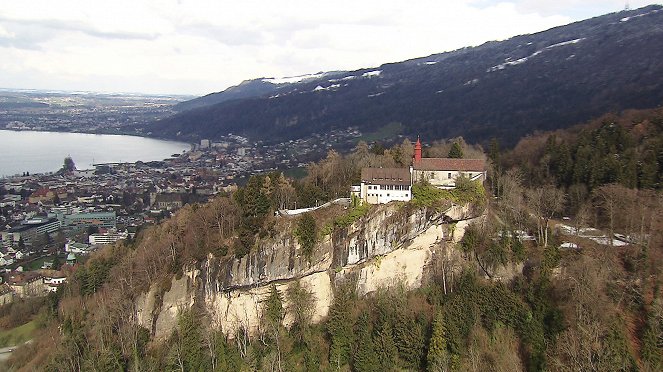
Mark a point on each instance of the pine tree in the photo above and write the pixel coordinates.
(365, 358)
(456, 151)
(306, 234)
(385, 348)
(339, 327)
(274, 307)
(438, 354)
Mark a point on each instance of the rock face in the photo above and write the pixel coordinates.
(390, 245)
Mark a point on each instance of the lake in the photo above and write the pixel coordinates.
(41, 152)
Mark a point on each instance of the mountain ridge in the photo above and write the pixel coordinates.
(506, 89)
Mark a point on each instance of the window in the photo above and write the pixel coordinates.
(449, 175)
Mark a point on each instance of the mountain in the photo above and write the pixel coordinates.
(507, 89)
(248, 88)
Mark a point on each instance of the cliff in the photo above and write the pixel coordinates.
(392, 244)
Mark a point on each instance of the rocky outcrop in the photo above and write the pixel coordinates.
(392, 244)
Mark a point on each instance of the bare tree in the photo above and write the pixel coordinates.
(545, 202)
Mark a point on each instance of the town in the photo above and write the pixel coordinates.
(49, 222)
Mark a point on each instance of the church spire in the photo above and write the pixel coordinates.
(417, 150)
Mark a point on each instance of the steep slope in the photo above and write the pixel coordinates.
(543, 81)
(247, 88)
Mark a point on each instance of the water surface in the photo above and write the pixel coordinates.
(41, 152)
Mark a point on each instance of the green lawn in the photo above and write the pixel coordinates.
(18, 335)
(36, 264)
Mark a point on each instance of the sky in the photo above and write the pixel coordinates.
(195, 47)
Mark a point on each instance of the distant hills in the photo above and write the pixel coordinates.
(544, 81)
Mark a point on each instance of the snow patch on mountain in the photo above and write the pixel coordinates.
(574, 41)
(371, 74)
(351, 77)
(294, 79)
(626, 19)
(509, 62)
(331, 87)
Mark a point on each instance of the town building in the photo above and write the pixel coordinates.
(107, 237)
(27, 284)
(75, 247)
(29, 230)
(106, 220)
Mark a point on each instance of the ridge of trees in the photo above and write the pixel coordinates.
(592, 309)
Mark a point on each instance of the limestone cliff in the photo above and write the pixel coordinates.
(391, 244)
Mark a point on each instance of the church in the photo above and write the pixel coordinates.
(383, 185)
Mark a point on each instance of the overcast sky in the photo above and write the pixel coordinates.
(201, 46)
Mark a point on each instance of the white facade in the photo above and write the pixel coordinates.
(445, 179)
(381, 194)
(106, 238)
(384, 185)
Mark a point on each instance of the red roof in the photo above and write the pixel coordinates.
(450, 164)
(40, 192)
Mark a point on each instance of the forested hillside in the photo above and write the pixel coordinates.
(507, 89)
(508, 296)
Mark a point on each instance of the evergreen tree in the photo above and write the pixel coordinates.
(68, 165)
(339, 327)
(306, 234)
(438, 353)
(274, 312)
(365, 358)
(385, 348)
(456, 151)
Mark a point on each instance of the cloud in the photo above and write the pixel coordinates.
(578, 9)
(200, 46)
(24, 33)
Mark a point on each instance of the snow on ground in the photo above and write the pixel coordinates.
(591, 234)
(294, 79)
(331, 87)
(371, 74)
(626, 19)
(568, 245)
(350, 77)
(574, 41)
(509, 62)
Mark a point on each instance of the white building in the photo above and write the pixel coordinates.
(109, 237)
(382, 185)
(443, 172)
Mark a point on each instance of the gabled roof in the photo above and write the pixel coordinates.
(386, 176)
(450, 164)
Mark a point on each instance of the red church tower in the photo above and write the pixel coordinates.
(417, 151)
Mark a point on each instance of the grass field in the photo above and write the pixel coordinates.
(36, 264)
(18, 335)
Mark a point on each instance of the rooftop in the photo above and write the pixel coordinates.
(386, 176)
(450, 164)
